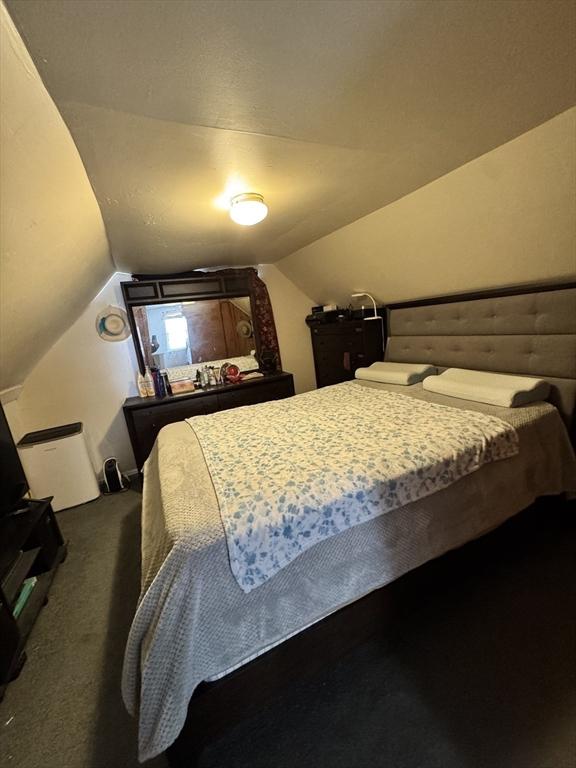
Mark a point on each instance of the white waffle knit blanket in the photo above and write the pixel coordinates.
(291, 473)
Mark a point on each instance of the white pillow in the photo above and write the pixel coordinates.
(492, 388)
(396, 373)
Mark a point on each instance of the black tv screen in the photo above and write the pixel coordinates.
(13, 484)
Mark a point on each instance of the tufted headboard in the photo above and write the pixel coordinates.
(529, 330)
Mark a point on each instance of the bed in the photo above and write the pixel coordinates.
(198, 638)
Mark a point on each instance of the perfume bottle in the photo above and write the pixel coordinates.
(159, 388)
(141, 383)
(166, 382)
(149, 383)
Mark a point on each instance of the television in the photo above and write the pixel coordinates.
(13, 483)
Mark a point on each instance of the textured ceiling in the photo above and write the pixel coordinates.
(329, 109)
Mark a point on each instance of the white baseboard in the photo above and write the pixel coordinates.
(10, 394)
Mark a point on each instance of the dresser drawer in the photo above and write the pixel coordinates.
(156, 418)
(341, 347)
(339, 329)
(257, 394)
(330, 344)
(145, 422)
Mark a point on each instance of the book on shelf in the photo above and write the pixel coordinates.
(25, 592)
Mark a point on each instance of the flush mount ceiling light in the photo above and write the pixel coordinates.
(248, 209)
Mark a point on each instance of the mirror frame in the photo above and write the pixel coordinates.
(141, 293)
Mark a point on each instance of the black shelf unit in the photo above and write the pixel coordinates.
(343, 341)
(30, 545)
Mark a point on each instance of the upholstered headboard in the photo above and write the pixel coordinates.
(530, 331)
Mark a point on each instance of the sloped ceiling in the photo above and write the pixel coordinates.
(54, 254)
(331, 109)
(505, 218)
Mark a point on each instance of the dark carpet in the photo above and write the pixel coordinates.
(65, 710)
(478, 669)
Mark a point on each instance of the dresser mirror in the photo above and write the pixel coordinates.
(184, 322)
(183, 336)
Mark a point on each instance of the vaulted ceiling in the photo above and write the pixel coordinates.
(145, 116)
(329, 108)
(54, 254)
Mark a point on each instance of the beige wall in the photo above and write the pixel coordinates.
(82, 378)
(53, 248)
(290, 306)
(507, 217)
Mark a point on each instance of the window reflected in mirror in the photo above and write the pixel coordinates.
(181, 337)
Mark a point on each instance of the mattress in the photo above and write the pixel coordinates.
(194, 623)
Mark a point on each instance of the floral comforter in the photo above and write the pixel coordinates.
(291, 473)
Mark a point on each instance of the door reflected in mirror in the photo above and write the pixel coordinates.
(184, 336)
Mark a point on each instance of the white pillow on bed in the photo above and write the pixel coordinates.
(492, 388)
(396, 373)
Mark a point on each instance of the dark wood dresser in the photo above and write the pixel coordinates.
(341, 345)
(145, 416)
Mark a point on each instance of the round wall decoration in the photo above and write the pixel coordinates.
(244, 329)
(112, 324)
